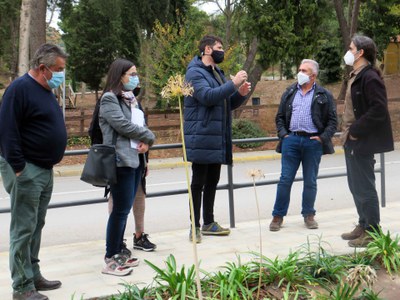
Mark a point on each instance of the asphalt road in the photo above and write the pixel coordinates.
(84, 223)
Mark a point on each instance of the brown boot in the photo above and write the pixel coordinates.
(276, 223)
(356, 233)
(310, 222)
(362, 241)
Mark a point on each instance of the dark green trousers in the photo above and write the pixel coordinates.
(30, 194)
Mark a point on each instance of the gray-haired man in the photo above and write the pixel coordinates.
(32, 140)
(306, 122)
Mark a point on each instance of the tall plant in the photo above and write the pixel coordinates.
(176, 89)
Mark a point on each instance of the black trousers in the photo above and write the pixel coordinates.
(205, 178)
(361, 180)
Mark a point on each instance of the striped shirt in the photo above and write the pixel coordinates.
(301, 113)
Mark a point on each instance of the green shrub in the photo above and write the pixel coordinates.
(245, 129)
(385, 250)
(78, 141)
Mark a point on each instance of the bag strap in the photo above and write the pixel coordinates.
(114, 139)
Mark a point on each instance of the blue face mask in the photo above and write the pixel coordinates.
(132, 83)
(56, 79)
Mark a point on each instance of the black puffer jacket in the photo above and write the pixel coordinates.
(323, 113)
(372, 127)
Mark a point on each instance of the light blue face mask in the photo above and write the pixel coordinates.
(132, 83)
(56, 79)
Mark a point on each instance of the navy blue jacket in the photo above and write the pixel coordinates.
(207, 115)
(32, 127)
(323, 114)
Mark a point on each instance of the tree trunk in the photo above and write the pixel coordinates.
(228, 24)
(344, 28)
(14, 27)
(25, 19)
(354, 17)
(251, 55)
(52, 9)
(37, 35)
(346, 32)
(254, 73)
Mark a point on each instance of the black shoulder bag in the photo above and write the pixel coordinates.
(101, 164)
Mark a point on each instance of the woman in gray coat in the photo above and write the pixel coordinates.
(122, 123)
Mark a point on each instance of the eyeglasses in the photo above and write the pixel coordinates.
(132, 74)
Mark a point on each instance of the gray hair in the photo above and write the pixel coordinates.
(47, 55)
(313, 63)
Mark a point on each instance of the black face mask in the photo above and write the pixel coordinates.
(218, 56)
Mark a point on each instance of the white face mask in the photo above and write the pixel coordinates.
(349, 58)
(302, 78)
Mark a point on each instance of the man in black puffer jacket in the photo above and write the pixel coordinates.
(208, 125)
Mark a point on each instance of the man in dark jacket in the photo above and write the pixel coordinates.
(207, 127)
(32, 140)
(306, 121)
(366, 130)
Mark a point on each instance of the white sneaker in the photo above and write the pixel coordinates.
(114, 266)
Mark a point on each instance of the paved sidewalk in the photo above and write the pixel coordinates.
(78, 266)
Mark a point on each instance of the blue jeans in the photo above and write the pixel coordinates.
(123, 193)
(296, 150)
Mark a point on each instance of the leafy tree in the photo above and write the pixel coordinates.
(163, 11)
(9, 33)
(329, 58)
(380, 20)
(129, 33)
(91, 37)
(172, 47)
(308, 16)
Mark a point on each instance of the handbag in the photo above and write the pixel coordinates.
(100, 168)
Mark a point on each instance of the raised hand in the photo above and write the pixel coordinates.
(239, 78)
(245, 88)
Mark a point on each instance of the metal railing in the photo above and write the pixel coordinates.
(230, 186)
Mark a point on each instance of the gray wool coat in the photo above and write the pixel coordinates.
(115, 115)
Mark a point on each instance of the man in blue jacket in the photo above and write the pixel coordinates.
(208, 126)
(306, 121)
(32, 140)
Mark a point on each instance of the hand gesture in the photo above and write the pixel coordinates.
(245, 88)
(239, 78)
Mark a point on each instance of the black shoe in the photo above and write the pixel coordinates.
(143, 243)
(42, 284)
(124, 250)
(29, 295)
